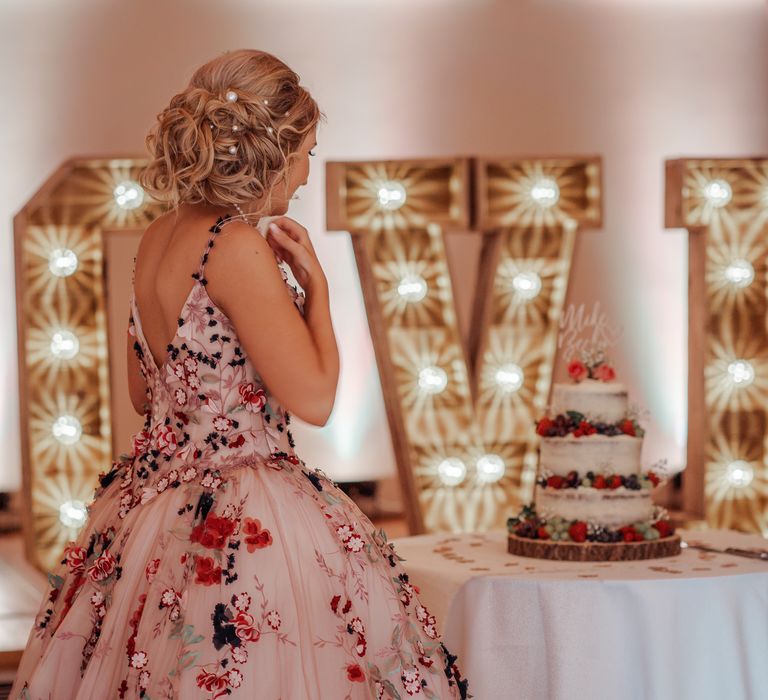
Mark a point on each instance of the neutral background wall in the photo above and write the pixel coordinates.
(635, 81)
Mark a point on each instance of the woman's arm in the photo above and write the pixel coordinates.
(295, 355)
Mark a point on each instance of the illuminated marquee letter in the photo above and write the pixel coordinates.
(462, 418)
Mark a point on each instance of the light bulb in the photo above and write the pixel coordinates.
(432, 380)
(451, 471)
(391, 195)
(718, 193)
(739, 273)
(128, 194)
(545, 192)
(73, 513)
(741, 372)
(739, 474)
(412, 288)
(490, 468)
(67, 429)
(62, 262)
(64, 345)
(527, 285)
(509, 378)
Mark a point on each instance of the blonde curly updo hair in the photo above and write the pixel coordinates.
(228, 137)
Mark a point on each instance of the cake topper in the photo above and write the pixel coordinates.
(586, 332)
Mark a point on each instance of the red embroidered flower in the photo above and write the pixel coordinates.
(213, 532)
(151, 569)
(255, 536)
(206, 571)
(234, 678)
(244, 627)
(167, 441)
(210, 681)
(140, 443)
(605, 373)
(133, 623)
(577, 370)
(411, 679)
(239, 441)
(273, 619)
(102, 567)
(75, 557)
(254, 401)
(355, 673)
(222, 424)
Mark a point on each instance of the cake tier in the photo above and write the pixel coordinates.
(617, 454)
(598, 401)
(609, 508)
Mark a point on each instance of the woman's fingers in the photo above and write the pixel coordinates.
(286, 243)
(295, 230)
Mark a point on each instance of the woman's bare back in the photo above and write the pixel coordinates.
(169, 253)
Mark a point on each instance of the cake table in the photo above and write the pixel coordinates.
(692, 626)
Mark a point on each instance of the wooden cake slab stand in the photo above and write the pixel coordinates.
(594, 551)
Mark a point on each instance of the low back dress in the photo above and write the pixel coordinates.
(214, 562)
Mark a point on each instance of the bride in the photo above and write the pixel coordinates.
(214, 560)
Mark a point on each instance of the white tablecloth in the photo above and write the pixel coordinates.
(690, 627)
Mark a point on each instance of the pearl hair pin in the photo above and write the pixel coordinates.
(232, 97)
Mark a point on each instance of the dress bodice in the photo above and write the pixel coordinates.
(207, 408)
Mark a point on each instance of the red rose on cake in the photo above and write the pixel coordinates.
(605, 373)
(577, 370)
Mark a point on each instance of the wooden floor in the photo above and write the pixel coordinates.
(22, 587)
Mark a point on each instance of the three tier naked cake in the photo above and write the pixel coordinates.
(592, 500)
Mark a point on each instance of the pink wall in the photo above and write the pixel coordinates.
(631, 80)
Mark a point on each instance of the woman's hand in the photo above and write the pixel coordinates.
(290, 241)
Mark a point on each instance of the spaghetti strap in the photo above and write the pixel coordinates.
(215, 229)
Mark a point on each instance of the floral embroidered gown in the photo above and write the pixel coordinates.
(215, 562)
